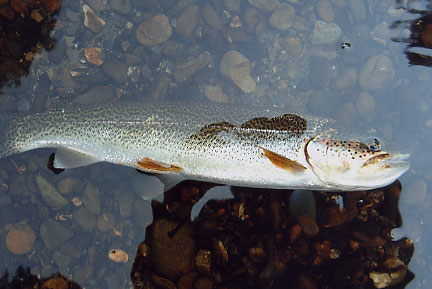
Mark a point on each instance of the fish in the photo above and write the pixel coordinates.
(218, 143)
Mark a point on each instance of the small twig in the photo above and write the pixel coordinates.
(16, 167)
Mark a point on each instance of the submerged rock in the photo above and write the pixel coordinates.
(154, 31)
(325, 33)
(69, 186)
(186, 70)
(378, 72)
(50, 194)
(84, 218)
(325, 10)
(187, 21)
(172, 248)
(283, 17)
(91, 199)
(20, 239)
(54, 234)
(212, 17)
(91, 20)
(265, 5)
(106, 222)
(236, 67)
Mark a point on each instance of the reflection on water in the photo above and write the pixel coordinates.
(289, 55)
(23, 279)
(420, 38)
(252, 241)
(25, 32)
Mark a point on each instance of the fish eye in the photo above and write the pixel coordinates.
(374, 145)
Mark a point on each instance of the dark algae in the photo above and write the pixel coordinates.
(252, 241)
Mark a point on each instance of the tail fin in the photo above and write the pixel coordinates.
(7, 135)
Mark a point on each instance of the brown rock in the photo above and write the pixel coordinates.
(295, 232)
(69, 186)
(325, 10)
(214, 93)
(308, 225)
(257, 254)
(7, 13)
(236, 67)
(365, 104)
(203, 261)
(94, 55)
(20, 7)
(187, 21)
(236, 22)
(394, 273)
(91, 20)
(377, 72)
(347, 78)
(36, 16)
(51, 5)
(55, 282)
(203, 283)
(292, 44)
(235, 34)
(346, 113)
(154, 31)
(283, 17)
(186, 70)
(172, 248)
(118, 255)
(186, 281)
(265, 5)
(106, 222)
(20, 239)
(116, 70)
(163, 283)
(251, 18)
(306, 282)
(212, 18)
(427, 35)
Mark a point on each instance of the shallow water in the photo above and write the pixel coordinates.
(365, 72)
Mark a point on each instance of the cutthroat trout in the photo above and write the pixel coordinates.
(208, 142)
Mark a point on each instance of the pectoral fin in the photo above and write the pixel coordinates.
(66, 158)
(283, 162)
(153, 166)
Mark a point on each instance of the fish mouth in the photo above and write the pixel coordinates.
(389, 160)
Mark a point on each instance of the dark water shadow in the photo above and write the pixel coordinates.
(419, 41)
(25, 28)
(254, 241)
(24, 279)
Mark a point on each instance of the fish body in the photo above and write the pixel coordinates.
(207, 142)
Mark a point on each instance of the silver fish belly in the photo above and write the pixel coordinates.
(207, 142)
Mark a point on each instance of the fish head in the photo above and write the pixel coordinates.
(354, 165)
